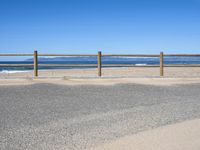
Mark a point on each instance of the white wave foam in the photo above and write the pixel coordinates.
(140, 64)
(12, 71)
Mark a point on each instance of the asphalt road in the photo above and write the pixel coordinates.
(48, 117)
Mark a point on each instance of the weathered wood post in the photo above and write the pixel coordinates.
(35, 63)
(99, 63)
(161, 64)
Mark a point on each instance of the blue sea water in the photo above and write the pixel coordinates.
(93, 60)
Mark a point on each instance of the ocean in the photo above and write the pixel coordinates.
(93, 60)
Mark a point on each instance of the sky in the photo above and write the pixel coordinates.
(110, 26)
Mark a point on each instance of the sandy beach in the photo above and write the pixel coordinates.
(181, 136)
(116, 72)
(105, 81)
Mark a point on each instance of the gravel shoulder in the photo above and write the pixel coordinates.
(49, 116)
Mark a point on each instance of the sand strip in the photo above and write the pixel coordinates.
(101, 81)
(181, 136)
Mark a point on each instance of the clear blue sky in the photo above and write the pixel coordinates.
(112, 26)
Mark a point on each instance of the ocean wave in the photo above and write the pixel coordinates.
(12, 71)
(140, 64)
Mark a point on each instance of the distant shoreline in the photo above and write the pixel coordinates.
(92, 60)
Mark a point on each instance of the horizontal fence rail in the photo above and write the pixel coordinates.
(16, 54)
(184, 55)
(99, 64)
(16, 65)
(132, 55)
(68, 65)
(78, 55)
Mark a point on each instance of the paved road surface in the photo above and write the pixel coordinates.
(47, 116)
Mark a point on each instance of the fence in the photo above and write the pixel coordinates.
(99, 64)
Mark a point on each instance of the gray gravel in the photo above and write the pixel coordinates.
(48, 117)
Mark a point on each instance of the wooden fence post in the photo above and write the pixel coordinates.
(99, 64)
(161, 64)
(35, 63)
